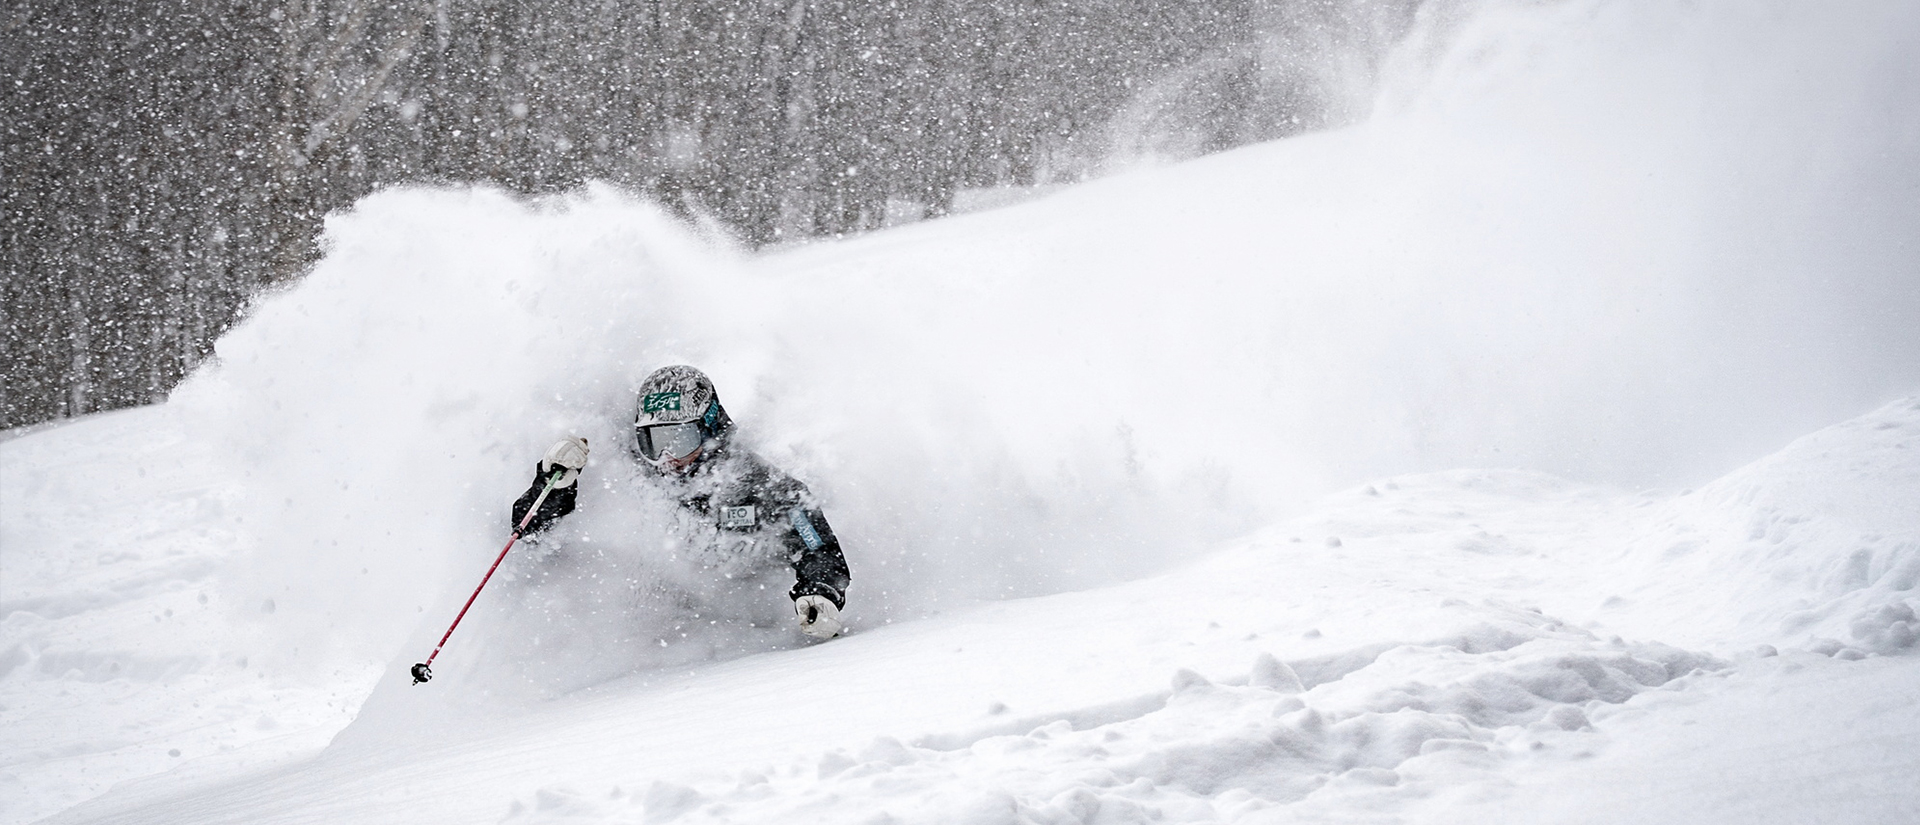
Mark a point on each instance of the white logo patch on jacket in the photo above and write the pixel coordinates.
(739, 518)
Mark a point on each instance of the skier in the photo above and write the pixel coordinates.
(747, 507)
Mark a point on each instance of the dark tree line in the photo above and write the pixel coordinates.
(165, 159)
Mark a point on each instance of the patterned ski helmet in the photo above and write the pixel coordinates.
(679, 394)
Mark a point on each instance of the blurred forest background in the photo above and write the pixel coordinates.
(164, 160)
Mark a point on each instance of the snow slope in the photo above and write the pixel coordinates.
(1424, 648)
(1070, 445)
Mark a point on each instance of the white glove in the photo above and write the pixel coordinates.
(818, 617)
(567, 453)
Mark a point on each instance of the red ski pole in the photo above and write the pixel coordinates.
(421, 671)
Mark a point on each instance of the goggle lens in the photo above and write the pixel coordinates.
(663, 441)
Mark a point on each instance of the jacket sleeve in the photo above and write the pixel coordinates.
(819, 568)
(559, 503)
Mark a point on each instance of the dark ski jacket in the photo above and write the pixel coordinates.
(737, 492)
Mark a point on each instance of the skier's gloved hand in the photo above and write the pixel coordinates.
(569, 454)
(818, 617)
(806, 588)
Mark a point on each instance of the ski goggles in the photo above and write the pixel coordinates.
(664, 441)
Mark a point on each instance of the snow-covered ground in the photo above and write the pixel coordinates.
(1152, 488)
(1453, 646)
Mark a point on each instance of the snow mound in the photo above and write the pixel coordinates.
(1817, 545)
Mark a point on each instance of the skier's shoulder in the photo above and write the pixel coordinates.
(755, 472)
